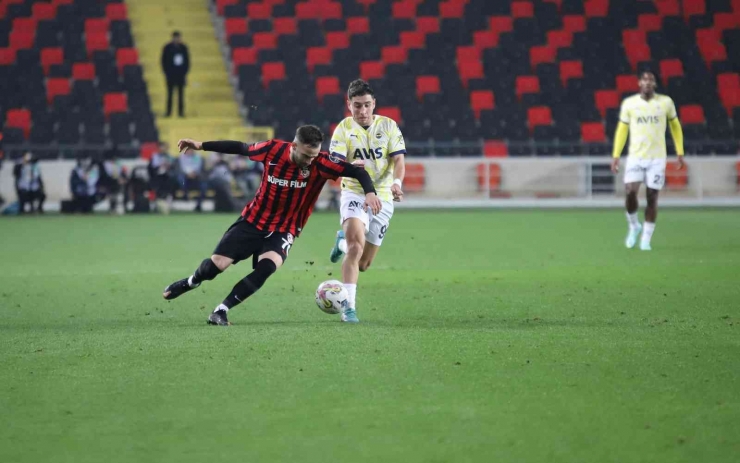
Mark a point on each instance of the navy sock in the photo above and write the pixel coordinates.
(206, 271)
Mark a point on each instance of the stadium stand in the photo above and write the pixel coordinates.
(537, 77)
(69, 75)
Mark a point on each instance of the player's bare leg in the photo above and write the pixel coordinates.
(207, 270)
(651, 215)
(368, 255)
(631, 205)
(354, 233)
(267, 264)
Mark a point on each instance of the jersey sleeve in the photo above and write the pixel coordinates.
(671, 110)
(330, 166)
(396, 144)
(338, 145)
(624, 113)
(258, 151)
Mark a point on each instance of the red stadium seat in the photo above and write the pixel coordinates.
(574, 23)
(56, 86)
(649, 22)
(730, 100)
(426, 85)
(570, 70)
(21, 40)
(7, 56)
(330, 10)
(284, 26)
(694, 7)
(392, 112)
(148, 149)
(115, 103)
(427, 25)
(710, 36)
(560, 39)
(485, 39)
(337, 40)
(670, 68)
(96, 25)
(470, 70)
(541, 54)
(633, 36)
(24, 25)
(116, 11)
(62, 2)
(43, 11)
(264, 41)
(593, 132)
(259, 11)
(494, 176)
(83, 71)
(222, 4)
(495, 149)
(415, 178)
(500, 24)
(481, 100)
(404, 10)
(272, 71)
(19, 119)
(327, 86)
(240, 56)
(539, 115)
(668, 8)
(637, 53)
(727, 81)
(527, 84)
(627, 84)
(372, 70)
(724, 21)
(413, 40)
(596, 8)
(358, 25)
(393, 55)
(465, 54)
(676, 179)
(96, 41)
(691, 114)
(716, 52)
(316, 56)
(234, 26)
(606, 99)
(451, 9)
(50, 57)
(521, 9)
(126, 57)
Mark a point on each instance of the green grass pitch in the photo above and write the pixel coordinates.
(486, 336)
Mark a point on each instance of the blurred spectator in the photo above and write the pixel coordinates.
(161, 177)
(29, 185)
(191, 176)
(137, 189)
(112, 180)
(175, 65)
(84, 185)
(247, 174)
(220, 180)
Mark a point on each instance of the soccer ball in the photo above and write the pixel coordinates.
(332, 296)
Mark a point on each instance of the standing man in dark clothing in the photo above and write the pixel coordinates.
(175, 65)
(29, 185)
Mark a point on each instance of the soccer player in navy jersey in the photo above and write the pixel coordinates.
(295, 173)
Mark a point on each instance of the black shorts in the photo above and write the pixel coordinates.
(243, 240)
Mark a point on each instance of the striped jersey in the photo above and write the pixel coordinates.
(375, 145)
(287, 193)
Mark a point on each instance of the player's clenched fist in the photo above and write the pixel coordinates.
(187, 143)
(373, 203)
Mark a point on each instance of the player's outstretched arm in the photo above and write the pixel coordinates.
(677, 135)
(620, 138)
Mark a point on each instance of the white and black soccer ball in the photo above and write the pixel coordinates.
(332, 297)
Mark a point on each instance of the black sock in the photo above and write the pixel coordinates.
(206, 271)
(251, 283)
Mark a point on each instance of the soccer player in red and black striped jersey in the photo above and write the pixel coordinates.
(295, 173)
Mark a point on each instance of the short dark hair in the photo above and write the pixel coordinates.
(643, 72)
(176, 34)
(359, 87)
(309, 135)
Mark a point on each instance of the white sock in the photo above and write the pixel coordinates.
(221, 307)
(190, 282)
(352, 290)
(632, 220)
(647, 232)
(343, 246)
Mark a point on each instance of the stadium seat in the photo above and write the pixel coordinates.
(627, 84)
(233, 26)
(50, 57)
(670, 68)
(19, 119)
(271, 72)
(522, 9)
(393, 55)
(570, 70)
(83, 71)
(126, 57)
(55, 87)
(593, 132)
(527, 84)
(495, 149)
(692, 114)
(539, 115)
(415, 178)
(470, 70)
(404, 10)
(337, 40)
(574, 23)
(115, 103)
(481, 100)
(541, 54)
(606, 99)
(116, 12)
(501, 24)
(7, 56)
(317, 56)
(427, 85)
(327, 86)
(392, 112)
(359, 25)
(493, 176)
(284, 26)
(259, 10)
(41, 11)
(372, 70)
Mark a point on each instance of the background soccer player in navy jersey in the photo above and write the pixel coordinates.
(295, 173)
